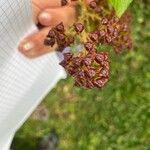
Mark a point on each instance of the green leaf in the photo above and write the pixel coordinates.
(120, 6)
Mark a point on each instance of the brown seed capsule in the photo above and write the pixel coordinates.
(110, 29)
(115, 33)
(88, 46)
(87, 61)
(70, 40)
(97, 10)
(105, 64)
(79, 82)
(64, 2)
(89, 85)
(49, 42)
(125, 27)
(81, 75)
(104, 21)
(79, 27)
(60, 27)
(94, 37)
(51, 34)
(77, 61)
(93, 4)
(102, 33)
(71, 70)
(61, 43)
(63, 63)
(60, 48)
(100, 57)
(108, 39)
(61, 36)
(67, 56)
(90, 73)
(104, 72)
(115, 19)
(100, 82)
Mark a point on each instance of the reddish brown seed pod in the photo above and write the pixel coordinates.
(81, 75)
(77, 61)
(79, 27)
(124, 27)
(79, 82)
(93, 4)
(87, 61)
(100, 82)
(71, 70)
(61, 36)
(110, 29)
(115, 19)
(51, 34)
(89, 85)
(49, 42)
(88, 46)
(102, 33)
(90, 73)
(104, 72)
(104, 21)
(60, 27)
(94, 36)
(68, 56)
(70, 40)
(105, 64)
(100, 57)
(108, 39)
(64, 2)
(63, 63)
(97, 9)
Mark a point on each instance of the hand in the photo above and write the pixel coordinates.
(48, 13)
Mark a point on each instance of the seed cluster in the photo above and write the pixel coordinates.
(115, 32)
(123, 40)
(89, 70)
(93, 5)
(90, 67)
(57, 35)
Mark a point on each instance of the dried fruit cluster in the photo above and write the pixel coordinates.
(90, 67)
(57, 35)
(89, 70)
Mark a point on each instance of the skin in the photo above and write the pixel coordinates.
(48, 13)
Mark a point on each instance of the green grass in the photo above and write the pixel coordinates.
(114, 118)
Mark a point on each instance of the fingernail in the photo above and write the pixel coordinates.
(45, 16)
(26, 46)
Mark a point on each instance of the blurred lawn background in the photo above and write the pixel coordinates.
(115, 118)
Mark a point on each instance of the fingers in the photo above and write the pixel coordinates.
(40, 5)
(33, 45)
(46, 3)
(51, 17)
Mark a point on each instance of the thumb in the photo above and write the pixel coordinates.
(33, 46)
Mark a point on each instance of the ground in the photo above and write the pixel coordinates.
(114, 118)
